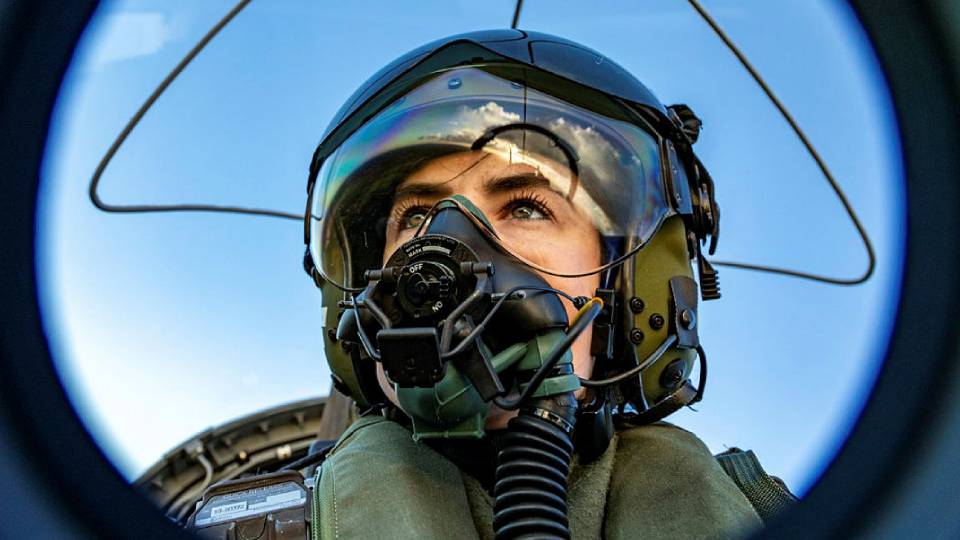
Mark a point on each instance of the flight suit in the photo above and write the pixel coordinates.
(655, 481)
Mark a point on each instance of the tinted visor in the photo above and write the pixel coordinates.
(544, 173)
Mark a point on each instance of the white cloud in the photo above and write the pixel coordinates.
(472, 122)
(594, 150)
(122, 36)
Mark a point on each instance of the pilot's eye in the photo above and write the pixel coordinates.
(527, 211)
(412, 218)
(408, 213)
(528, 207)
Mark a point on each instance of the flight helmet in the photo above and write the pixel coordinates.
(571, 121)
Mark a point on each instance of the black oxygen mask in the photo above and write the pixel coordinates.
(438, 270)
(458, 324)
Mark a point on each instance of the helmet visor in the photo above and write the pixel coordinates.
(545, 173)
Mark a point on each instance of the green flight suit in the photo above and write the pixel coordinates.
(656, 481)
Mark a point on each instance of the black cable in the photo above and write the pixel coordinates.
(310, 459)
(653, 357)
(326, 279)
(184, 504)
(378, 313)
(135, 120)
(581, 324)
(371, 350)
(813, 153)
(516, 14)
(450, 321)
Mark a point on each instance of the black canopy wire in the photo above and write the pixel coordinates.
(118, 142)
(516, 14)
(143, 208)
(816, 157)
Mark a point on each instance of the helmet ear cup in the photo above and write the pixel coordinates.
(338, 350)
(650, 316)
(353, 374)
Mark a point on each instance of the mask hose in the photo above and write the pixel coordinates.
(530, 492)
(531, 488)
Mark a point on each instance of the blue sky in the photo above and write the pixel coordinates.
(165, 324)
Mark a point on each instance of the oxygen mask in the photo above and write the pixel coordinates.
(457, 323)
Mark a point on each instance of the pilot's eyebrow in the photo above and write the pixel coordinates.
(513, 182)
(422, 189)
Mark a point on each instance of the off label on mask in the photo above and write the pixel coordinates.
(250, 502)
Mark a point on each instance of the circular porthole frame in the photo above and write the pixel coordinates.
(892, 476)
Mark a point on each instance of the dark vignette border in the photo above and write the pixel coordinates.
(60, 481)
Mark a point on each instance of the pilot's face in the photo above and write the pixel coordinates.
(529, 214)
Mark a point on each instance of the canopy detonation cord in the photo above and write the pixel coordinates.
(516, 14)
(168, 80)
(813, 153)
(118, 142)
(834, 185)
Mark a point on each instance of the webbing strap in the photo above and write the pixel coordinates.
(768, 495)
